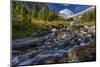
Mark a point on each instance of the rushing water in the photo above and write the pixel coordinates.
(50, 47)
(39, 57)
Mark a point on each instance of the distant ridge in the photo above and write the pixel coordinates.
(77, 14)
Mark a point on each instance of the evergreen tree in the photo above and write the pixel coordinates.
(43, 13)
(52, 15)
(33, 13)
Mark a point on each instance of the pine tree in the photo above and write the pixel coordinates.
(52, 15)
(43, 13)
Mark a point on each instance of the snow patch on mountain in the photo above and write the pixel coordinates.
(66, 12)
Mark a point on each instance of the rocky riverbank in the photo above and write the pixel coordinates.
(58, 46)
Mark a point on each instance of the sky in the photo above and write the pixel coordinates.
(67, 8)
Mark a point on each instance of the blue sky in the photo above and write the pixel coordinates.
(71, 7)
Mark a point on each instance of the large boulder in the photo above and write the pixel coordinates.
(83, 53)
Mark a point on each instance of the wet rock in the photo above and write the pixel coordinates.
(82, 53)
(56, 47)
(50, 60)
(34, 34)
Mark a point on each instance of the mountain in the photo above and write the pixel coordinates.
(68, 14)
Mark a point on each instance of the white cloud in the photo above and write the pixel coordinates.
(66, 12)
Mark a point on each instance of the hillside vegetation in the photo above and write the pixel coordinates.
(89, 18)
(38, 18)
(25, 22)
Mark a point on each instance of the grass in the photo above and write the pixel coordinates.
(41, 25)
(50, 23)
(19, 34)
(89, 23)
(38, 26)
